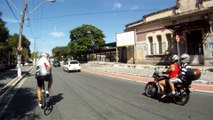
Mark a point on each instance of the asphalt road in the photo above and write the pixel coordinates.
(87, 96)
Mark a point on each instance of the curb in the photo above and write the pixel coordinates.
(7, 88)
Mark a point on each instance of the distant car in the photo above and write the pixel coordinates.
(72, 65)
(2, 66)
(56, 64)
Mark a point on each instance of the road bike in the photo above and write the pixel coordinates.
(46, 104)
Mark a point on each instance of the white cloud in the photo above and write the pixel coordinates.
(57, 34)
(8, 20)
(117, 5)
(134, 8)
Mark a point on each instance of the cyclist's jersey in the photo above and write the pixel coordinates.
(176, 71)
(43, 63)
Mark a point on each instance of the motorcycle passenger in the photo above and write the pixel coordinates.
(173, 72)
(46, 69)
(184, 65)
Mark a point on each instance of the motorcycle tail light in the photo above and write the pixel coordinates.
(197, 72)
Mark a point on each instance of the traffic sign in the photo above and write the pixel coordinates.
(19, 48)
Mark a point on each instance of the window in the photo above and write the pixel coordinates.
(160, 44)
(169, 39)
(151, 45)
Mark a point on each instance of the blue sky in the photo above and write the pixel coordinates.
(48, 24)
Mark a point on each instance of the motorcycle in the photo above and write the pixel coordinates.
(182, 88)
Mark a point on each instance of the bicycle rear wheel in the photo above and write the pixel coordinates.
(44, 96)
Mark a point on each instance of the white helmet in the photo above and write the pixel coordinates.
(185, 58)
(174, 58)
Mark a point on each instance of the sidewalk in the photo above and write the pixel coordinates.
(145, 70)
(143, 73)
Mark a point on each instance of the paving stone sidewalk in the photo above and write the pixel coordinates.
(145, 70)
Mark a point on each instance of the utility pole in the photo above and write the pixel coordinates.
(21, 31)
(20, 39)
(177, 37)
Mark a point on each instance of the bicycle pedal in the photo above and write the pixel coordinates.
(48, 99)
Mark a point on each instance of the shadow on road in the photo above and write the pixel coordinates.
(56, 98)
(21, 106)
(158, 97)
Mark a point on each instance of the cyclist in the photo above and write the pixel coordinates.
(46, 75)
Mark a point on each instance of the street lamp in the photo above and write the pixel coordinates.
(41, 4)
(21, 31)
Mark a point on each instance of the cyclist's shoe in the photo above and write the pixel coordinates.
(172, 94)
(40, 104)
(48, 94)
(163, 96)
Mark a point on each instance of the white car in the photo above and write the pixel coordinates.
(72, 65)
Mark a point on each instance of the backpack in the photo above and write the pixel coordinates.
(41, 71)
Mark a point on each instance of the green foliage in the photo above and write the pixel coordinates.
(9, 44)
(13, 44)
(60, 53)
(3, 39)
(85, 39)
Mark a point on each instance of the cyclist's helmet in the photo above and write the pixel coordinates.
(174, 58)
(44, 54)
(185, 58)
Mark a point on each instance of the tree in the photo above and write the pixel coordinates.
(85, 39)
(60, 53)
(13, 44)
(3, 39)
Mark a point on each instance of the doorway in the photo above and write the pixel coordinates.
(195, 46)
(122, 54)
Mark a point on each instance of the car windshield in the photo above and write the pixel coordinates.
(73, 62)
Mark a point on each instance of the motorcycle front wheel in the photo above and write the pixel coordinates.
(151, 89)
(182, 98)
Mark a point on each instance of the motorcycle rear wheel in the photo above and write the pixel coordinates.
(182, 98)
(151, 89)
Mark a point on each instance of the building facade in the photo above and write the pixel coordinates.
(190, 20)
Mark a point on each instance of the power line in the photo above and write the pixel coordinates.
(99, 12)
(13, 12)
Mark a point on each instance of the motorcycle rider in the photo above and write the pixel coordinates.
(184, 68)
(173, 72)
(184, 65)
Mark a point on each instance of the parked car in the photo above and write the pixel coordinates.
(72, 65)
(56, 63)
(2, 66)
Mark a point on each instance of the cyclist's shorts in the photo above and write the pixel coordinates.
(40, 80)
